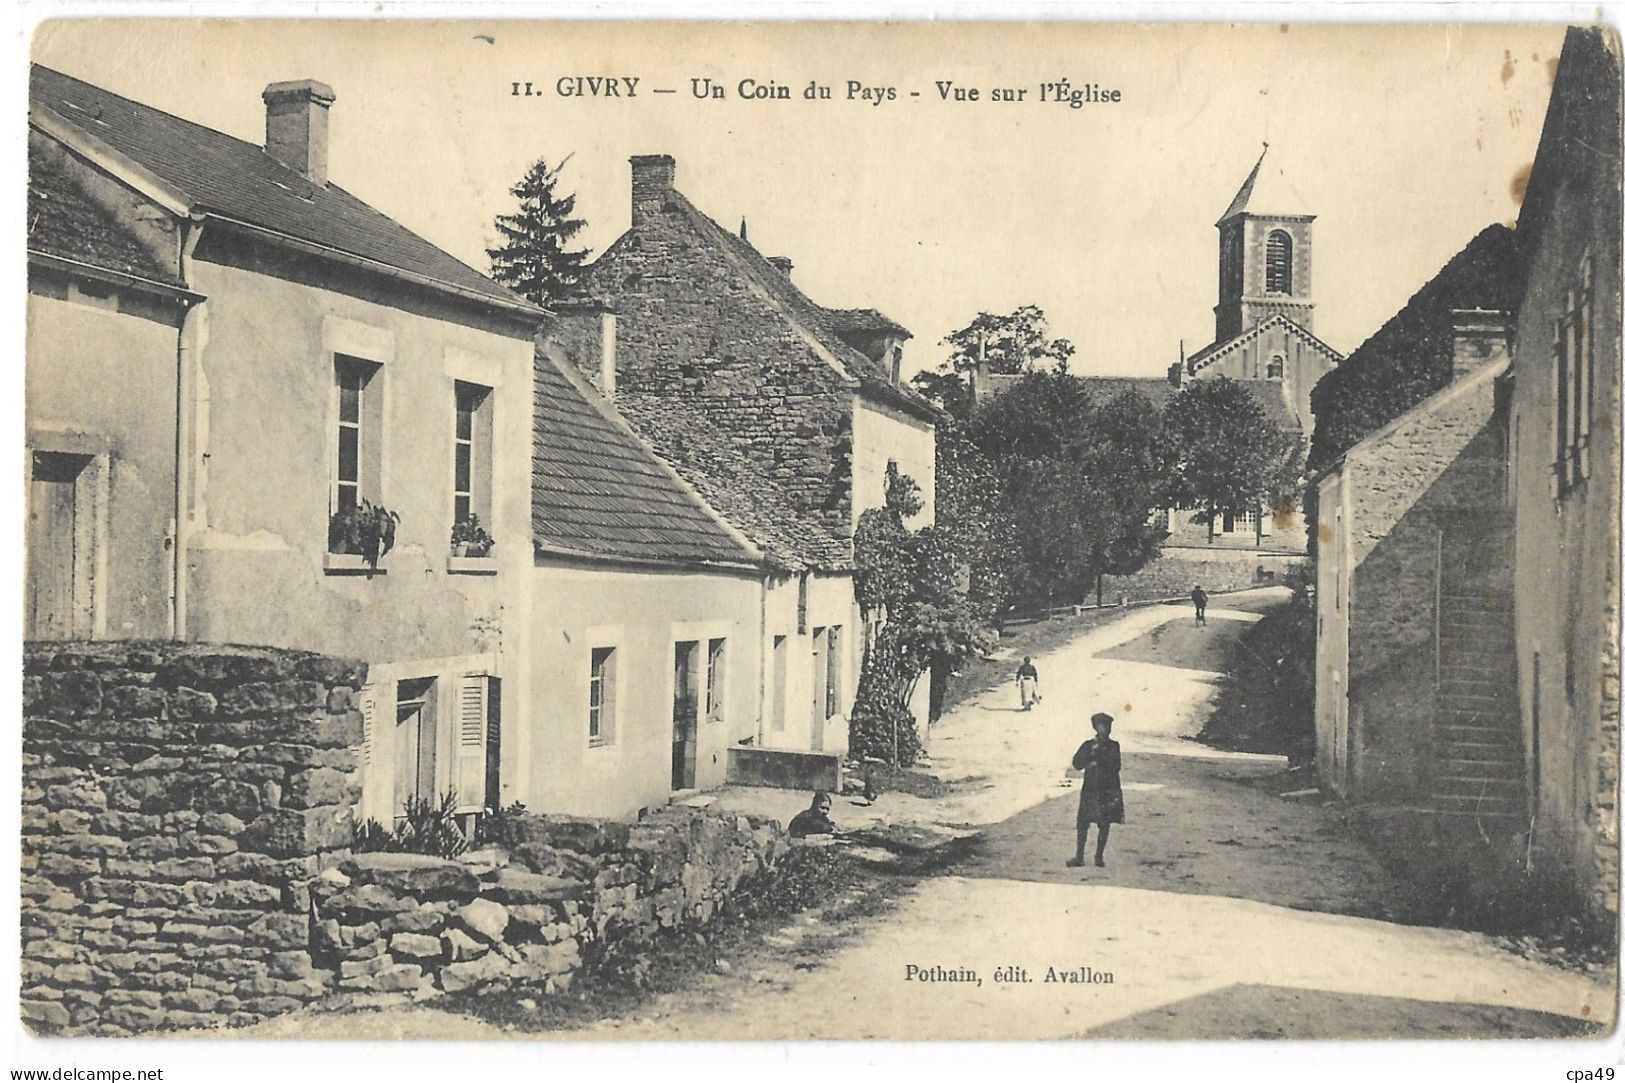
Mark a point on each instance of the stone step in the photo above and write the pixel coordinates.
(1502, 769)
(1487, 806)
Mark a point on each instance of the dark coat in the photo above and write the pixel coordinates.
(1101, 761)
(811, 822)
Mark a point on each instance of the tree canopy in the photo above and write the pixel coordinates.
(1226, 454)
(535, 259)
(1013, 343)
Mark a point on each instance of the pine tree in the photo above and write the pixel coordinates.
(535, 259)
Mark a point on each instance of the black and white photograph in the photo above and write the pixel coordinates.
(649, 530)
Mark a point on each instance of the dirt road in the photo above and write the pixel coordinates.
(1224, 911)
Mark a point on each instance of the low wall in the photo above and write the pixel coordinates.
(177, 801)
(1179, 568)
(784, 768)
(186, 853)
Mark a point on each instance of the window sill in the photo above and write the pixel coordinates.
(598, 744)
(349, 564)
(471, 565)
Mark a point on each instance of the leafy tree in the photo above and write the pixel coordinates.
(1013, 343)
(914, 601)
(947, 391)
(535, 259)
(1227, 455)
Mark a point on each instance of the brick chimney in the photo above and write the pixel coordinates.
(784, 264)
(653, 177)
(296, 126)
(582, 330)
(1479, 337)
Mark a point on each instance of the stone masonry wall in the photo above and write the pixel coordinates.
(176, 803)
(187, 831)
(691, 325)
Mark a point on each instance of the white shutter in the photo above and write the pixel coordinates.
(473, 706)
(375, 776)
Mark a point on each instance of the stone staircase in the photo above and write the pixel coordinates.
(1479, 768)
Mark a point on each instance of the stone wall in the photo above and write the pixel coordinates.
(1178, 569)
(176, 803)
(186, 847)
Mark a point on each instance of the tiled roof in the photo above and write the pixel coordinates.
(874, 381)
(599, 492)
(227, 177)
(731, 483)
(63, 222)
(864, 319)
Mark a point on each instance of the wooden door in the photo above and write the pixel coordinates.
(52, 532)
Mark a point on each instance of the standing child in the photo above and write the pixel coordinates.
(1027, 680)
(1101, 802)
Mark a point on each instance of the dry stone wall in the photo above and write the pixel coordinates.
(187, 857)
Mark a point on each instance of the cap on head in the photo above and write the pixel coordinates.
(1100, 718)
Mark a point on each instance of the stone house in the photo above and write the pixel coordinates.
(229, 356)
(1565, 478)
(1413, 557)
(785, 414)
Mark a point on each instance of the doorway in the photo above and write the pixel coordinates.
(684, 714)
(56, 601)
(820, 688)
(415, 742)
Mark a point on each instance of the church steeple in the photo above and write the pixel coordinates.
(1264, 254)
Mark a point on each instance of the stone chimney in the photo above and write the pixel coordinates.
(653, 177)
(784, 264)
(296, 126)
(583, 331)
(1479, 337)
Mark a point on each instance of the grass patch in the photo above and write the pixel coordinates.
(1267, 702)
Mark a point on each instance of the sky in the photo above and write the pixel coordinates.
(1403, 141)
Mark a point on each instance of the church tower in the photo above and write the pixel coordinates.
(1264, 255)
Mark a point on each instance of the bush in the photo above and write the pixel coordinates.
(426, 828)
(801, 879)
(1267, 701)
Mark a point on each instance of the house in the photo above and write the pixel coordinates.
(1413, 689)
(231, 359)
(784, 413)
(1565, 484)
(646, 622)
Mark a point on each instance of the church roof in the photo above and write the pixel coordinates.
(1215, 350)
(1266, 191)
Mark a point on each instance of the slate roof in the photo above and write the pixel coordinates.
(872, 378)
(600, 493)
(63, 222)
(864, 320)
(1266, 191)
(732, 483)
(227, 177)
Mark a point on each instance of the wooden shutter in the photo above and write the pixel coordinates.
(473, 708)
(375, 776)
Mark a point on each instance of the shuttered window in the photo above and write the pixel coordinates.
(375, 774)
(472, 724)
(1278, 263)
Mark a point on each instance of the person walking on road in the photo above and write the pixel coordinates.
(1101, 802)
(1199, 600)
(1027, 680)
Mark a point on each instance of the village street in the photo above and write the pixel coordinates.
(1224, 912)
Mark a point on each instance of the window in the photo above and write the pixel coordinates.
(356, 464)
(1573, 374)
(471, 454)
(1278, 263)
(601, 697)
(832, 672)
(1277, 368)
(416, 742)
(896, 364)
(801, 605)
(820, 682)
(715, 679)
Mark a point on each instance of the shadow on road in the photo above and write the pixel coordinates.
(1265, 1012)
(1194, 827)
